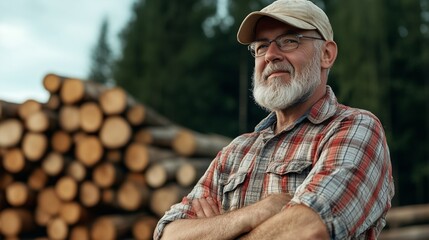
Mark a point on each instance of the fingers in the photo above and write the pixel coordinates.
(205, 207)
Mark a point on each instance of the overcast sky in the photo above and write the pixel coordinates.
(42, 36)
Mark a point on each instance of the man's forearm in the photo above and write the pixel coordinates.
(296, 222)
(225, 226)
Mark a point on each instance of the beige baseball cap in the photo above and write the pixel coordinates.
(302, 14)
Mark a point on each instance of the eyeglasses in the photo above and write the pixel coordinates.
(285, 42)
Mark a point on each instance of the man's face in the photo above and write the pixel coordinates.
(284, 79)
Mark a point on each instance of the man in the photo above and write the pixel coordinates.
(313, 169)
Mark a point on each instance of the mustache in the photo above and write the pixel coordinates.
(277, 67)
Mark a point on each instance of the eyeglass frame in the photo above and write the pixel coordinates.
(276, 40)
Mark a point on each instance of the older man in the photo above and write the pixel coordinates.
(313, 168)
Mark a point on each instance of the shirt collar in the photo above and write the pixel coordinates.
(323, 109)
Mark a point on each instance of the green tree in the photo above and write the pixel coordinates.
(101, 65)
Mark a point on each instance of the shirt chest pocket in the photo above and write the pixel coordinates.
(232, 190)
(287, 176)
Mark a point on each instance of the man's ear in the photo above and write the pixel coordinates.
(329, 54)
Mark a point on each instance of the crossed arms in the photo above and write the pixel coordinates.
(262, 220)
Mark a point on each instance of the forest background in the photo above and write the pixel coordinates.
(182, 59)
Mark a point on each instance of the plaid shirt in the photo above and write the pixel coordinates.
(334, 160)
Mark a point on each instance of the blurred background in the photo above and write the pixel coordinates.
(182, 58)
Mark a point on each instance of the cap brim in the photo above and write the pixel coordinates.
(246, 32)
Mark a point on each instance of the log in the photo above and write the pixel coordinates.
(114, 156)
(191, 171)
(41, 121)
(144, 227)
(5, 180)
(113, 226)
(76, 170)
(89, 194)
(61, 141)
(53, 103)
(37, 179)
(132, 196)
(19, 194)
(107, 175)
(74, 91)
(161, 172)
(41, 217)
(53, 82)
(163, 198)
(89, 150)
(57, 228)
(140, 114)
(15, 221)
(188, 143)
(8, 110)
(91, 117)
(418, 232)
(14, 160)
(114, 101)
(79, 232)
(34, 146)
(69, 118)
(48, 201)
(157, 136)
(29, 107)
(115, 132)
(11, 132)
(66, 188)
(412, 214)
(138, 156)
(53, 164)
(73, 213)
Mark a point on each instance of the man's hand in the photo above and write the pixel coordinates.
(205, 207)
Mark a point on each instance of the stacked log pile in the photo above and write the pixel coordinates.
(407, 222)
(93, 163)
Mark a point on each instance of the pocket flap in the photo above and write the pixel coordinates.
(234, 180)
(292, 166)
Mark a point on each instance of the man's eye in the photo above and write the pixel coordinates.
(261, 47)
(287, 41)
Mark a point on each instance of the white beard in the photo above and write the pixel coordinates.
(275, 94)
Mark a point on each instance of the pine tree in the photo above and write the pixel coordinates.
(102, 58)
